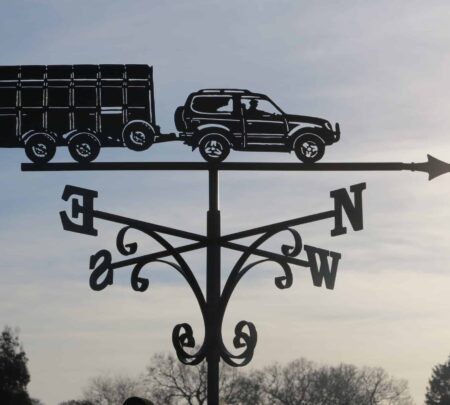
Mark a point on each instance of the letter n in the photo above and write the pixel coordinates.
(322, 271)
(354, 211)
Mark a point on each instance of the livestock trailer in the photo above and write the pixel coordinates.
(83, 107)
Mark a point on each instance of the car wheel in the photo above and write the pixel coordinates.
(214, 148)
(40, 148)
(84, 147)
(138, 136)
(309, 148)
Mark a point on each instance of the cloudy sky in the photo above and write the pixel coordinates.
(379, 68)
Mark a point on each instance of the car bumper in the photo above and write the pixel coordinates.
(337, 132)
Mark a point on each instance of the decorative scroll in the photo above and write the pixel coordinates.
(183, 337)
(102, 264)
(245, 332)
(242, 340)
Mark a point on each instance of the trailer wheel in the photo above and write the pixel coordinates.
(138, 136)
(40, 148)
(84, 147)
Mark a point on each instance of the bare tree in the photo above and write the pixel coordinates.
(381, 389)
(291, 384)
(171, 382)
(339, 385)
(302, 382)
(246, 389)
(112, 390)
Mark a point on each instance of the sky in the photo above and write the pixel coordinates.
(378, 68)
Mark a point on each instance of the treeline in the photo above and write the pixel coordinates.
(168, 382)
(300, 382)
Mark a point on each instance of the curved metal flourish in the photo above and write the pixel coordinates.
(247, 340)
(242, 340)
(182, 335)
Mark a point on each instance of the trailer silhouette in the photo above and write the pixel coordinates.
(83, 107)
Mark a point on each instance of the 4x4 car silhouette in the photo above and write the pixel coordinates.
(217, 120)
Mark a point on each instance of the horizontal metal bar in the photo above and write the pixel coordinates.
(157, 255)
(279, 225)
(227, 166)
(264, 253)
(147, 225)
(108, 166)
(338, 166)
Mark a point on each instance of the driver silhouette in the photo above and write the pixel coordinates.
(252, 110)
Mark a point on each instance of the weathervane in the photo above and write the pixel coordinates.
(86, 107)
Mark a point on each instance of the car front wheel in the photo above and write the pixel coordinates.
(214, 148)
(309, 148)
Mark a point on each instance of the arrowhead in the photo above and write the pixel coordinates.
(436, 167)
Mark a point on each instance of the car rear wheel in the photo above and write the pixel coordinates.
(40, 148)
(309, 148)
(214, 148)
(84, 147)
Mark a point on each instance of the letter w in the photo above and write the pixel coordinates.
(322, 271)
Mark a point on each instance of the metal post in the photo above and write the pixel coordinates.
(213, 288)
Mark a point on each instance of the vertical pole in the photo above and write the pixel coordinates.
(213, 287)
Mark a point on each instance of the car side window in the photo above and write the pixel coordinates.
(212, 104)
(256, 107)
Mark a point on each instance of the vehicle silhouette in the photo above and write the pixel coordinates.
(218, 120)
(81, 107)
(87, 107)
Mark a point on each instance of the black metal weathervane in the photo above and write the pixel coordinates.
(87, 107)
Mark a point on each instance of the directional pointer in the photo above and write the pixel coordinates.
(434, 167)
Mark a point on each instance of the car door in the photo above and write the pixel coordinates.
(264, 123)
(213, 110)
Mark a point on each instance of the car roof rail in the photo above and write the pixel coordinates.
(225, 91)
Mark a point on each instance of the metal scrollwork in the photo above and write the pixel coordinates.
(183, 337)
(101, 263)
(242, 340)
(245, 332)
(246, 336)
(125, 249)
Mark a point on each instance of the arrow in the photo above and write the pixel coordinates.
(434, 167)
